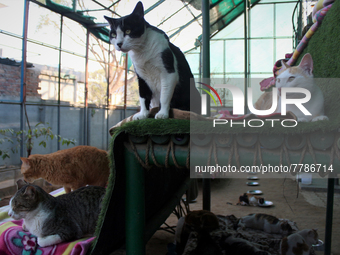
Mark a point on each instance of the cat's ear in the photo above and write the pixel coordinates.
(139, 10)
(25, 164)
(284, 65)
(307, 64)
(30, 191)
(21, 183)
(312, 232)
(110, 20)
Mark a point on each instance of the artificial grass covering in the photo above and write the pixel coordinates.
(160, 186)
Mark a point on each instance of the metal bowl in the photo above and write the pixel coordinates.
(267, 204)
(255, 192)
(253, 178)
(252, 183)
(319, 247)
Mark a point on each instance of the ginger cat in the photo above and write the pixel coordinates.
(72, 168)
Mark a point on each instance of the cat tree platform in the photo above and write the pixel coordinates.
(150, 153)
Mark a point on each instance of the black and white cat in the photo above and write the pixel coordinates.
(56, 219)
(163, 73)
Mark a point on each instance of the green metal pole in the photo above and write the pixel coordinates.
(135, 206)
(245, 54)
(23, 76)
(206, 75)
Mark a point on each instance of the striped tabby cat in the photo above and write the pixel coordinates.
(56, 219)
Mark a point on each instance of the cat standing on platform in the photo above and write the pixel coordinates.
(164, 75)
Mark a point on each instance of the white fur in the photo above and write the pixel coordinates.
(250, 221)
(145, 53)
(254, 201)
(32, 221)
(49, 240)
(303, 78)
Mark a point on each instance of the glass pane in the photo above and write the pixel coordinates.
(72, 124)
(262, 21)
(10, 47)
(12, 16)
(10, 118)
(74, 37)
(234, 30)
(283, 46)
(72, 88)
(10, 79)
(261, 55)
(216, 56)
(97, 87)
(186, 38)
(283, 20)
(43, 25)
(49, 116)
(98, 128)
(234, 56)
(42, 55)
(43, 76)
(194, 62)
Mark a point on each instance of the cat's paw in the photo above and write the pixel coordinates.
(24, 228)
(162, 115)
(141, 115)
(49, 240)
(322, 117)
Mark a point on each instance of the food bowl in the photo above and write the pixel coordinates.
(267, 204)
(253, 178)
(252, 183)
(319, 247)
(255, 192)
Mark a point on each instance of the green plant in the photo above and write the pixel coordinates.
(39, 131)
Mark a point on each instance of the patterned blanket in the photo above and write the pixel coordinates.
(15, 241)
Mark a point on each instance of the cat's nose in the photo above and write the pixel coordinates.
(119, 45)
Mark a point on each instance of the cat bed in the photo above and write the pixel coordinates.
(14, 240)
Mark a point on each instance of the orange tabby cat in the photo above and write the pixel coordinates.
(72, 168)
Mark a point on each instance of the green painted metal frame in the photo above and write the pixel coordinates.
(136, 232)
(135, 205)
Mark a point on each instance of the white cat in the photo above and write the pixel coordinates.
(301, 76)
(299, 243)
